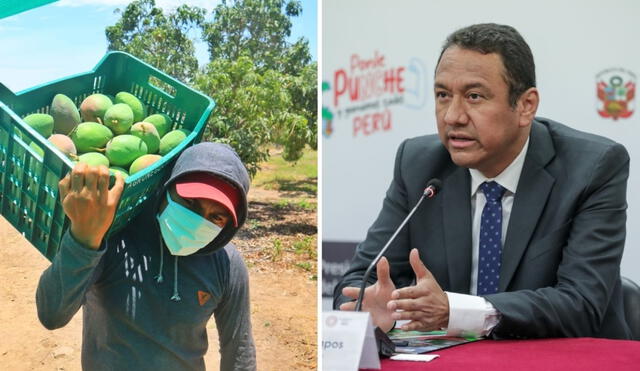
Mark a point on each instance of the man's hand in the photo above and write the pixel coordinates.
(375, 297)
(88, 202)
(425, 304)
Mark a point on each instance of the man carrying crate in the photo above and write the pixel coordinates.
(140, 313)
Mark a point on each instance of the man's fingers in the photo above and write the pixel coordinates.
(410, 292)
(418, 267)
(77, 176)
(404, 304)
(407, 315)
(116, 190)
(351, 292)
(382, 270)
(91, 179)
(348, 306)
(416, 326)
(103, 181)
(63, 187)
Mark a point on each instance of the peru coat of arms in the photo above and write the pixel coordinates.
(616, 89)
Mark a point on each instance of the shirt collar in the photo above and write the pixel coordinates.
(508, 178)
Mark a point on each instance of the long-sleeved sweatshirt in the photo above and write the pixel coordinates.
(145, 309)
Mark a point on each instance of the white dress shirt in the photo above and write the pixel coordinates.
(470, 314)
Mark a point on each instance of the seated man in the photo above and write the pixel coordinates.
(526, 236)
(140, 313)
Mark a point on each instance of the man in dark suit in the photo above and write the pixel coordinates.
(526, 236)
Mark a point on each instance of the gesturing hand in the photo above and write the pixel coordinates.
(88, 202)
(425, 304)
(375, 298)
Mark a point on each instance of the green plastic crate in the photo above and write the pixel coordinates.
(11, 7)
(29, 182)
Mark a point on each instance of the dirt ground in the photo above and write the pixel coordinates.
(278, 244)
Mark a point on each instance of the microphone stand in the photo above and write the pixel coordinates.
(386, 347)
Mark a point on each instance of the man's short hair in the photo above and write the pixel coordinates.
(486, 38)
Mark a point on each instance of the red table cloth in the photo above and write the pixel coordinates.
(542, 354)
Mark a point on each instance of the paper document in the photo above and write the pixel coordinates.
(416, 342)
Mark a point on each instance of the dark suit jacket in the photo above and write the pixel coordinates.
(560, 273)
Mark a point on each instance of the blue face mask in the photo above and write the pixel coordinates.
(184, 231)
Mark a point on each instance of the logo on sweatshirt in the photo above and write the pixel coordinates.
(203, 297)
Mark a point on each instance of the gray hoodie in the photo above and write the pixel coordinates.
(145, 309)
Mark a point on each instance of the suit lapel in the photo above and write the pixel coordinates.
(534, 187)
(456, 217)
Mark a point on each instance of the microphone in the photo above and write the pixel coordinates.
(433, 187)
(386, 347)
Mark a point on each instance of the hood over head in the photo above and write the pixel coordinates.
(222, 161)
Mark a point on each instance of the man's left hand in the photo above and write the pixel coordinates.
(425, 304)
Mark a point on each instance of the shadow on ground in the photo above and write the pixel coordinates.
(307, 186)
(273, 218)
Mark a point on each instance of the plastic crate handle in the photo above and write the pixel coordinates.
(161, 86)
(156, 80)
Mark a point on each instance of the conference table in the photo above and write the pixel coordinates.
(541, 354)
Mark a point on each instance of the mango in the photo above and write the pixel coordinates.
(143, 162)
(65, 145)
(172, 139)
(139, 110)
(41, 122)
(37, 148)
(123, 149)
(93, 108)
(119, 118)
(17, 133)
(161, 121)
(149, 135)
(65, 114)
(114, 169)
(94, 159)
(91, 137)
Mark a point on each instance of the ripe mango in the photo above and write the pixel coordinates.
(161, 121)
(93, 108)
(94, 159)
(65, 145)
(119, 118)
(172, 139)
(123, 149)
(139, 110)
(91, 136)
(41, 122)
(65, 114)
(149, 135)
(143, 162)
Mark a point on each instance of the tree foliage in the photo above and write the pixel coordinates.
(255, 109)
(264, 86)
(254, 28)
(303, 91)
(257, 31)
(159, 39)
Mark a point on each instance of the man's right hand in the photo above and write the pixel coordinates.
(375, 298)
(88, 202)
